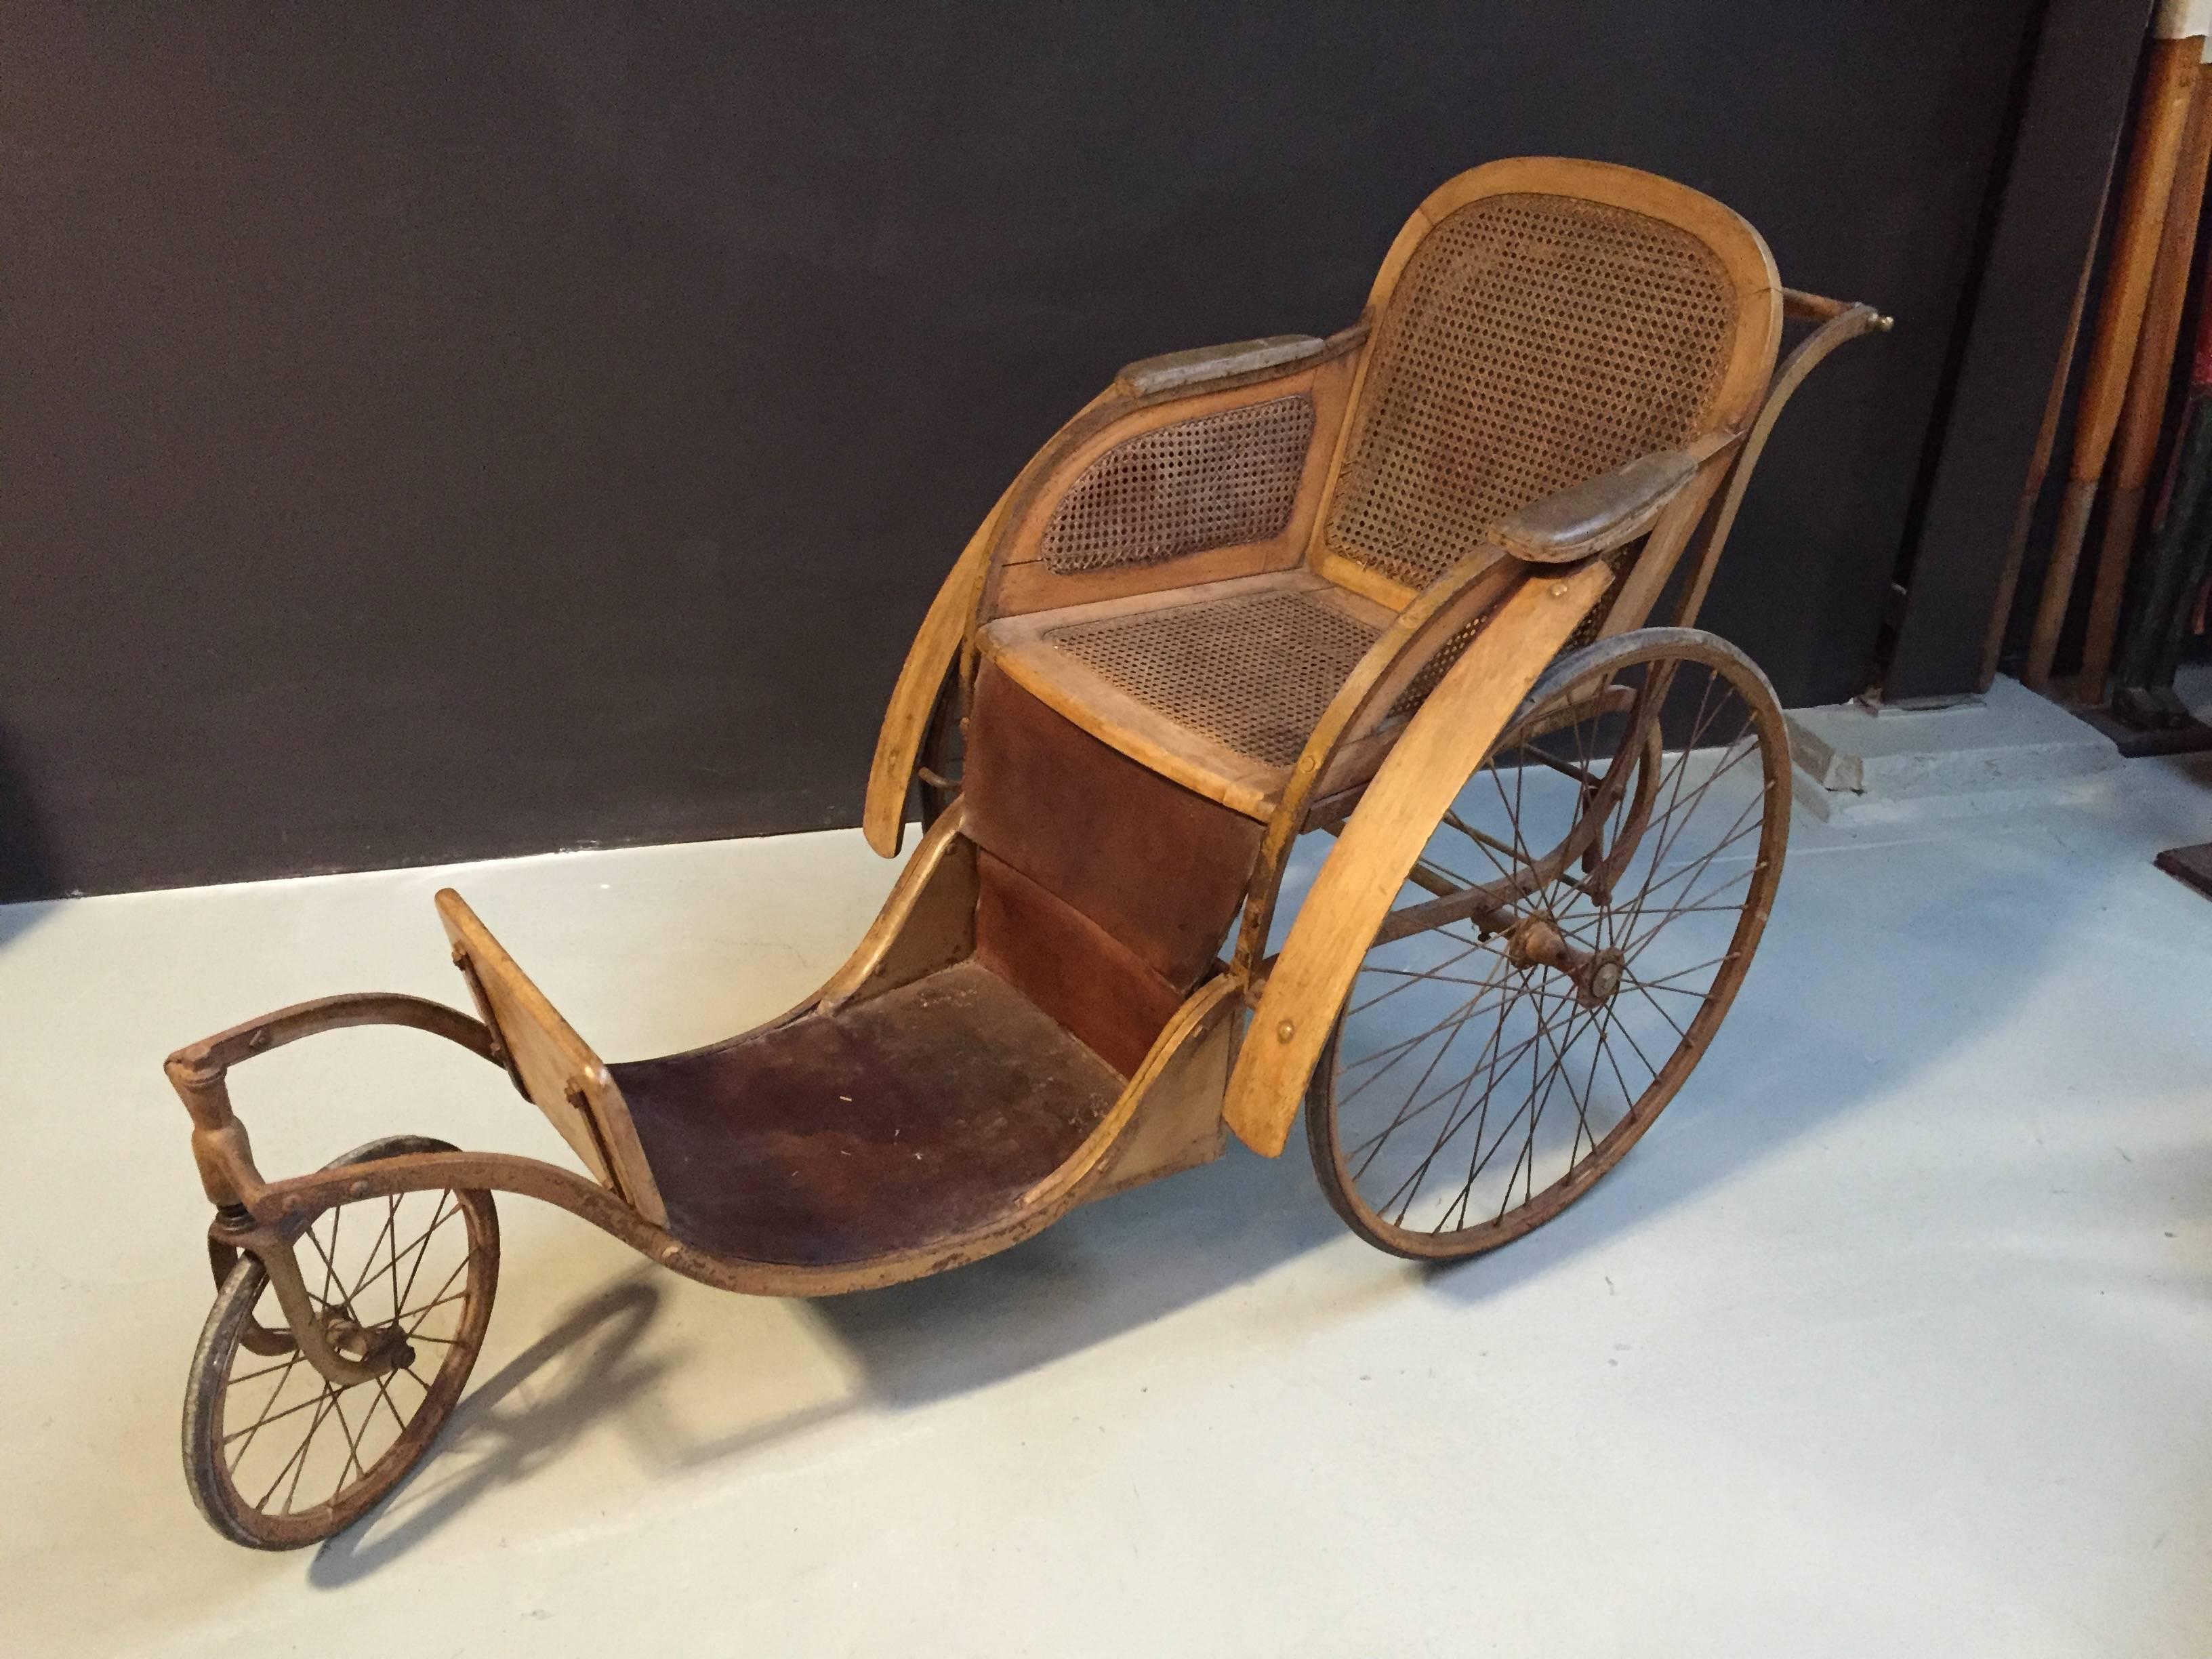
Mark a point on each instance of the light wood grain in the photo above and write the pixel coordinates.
(1741, 250)
(2142, 411)
(555, 1067)
(1402, 806)
(2163, 115)
(927, 922)
(1349, 739)
(1019, 579)
(1176, 1082)
(1654, 563)
(1020, 646)
(913, 697)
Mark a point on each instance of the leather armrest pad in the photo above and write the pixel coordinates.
(1597, 515)
(1174, 370)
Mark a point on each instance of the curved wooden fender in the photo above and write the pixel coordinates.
(1431, 764)
(883, 818)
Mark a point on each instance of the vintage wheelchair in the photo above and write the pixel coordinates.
(1390, 585)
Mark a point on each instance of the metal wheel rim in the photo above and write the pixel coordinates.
(247, 1518)
(1540, 1203)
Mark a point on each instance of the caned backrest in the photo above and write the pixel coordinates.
(1539, 322)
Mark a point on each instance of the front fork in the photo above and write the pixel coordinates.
(324, 1334)
(342, 1350)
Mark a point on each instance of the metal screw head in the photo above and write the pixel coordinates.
(1558, 589)
(1285, 1031)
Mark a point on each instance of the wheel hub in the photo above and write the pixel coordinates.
(1536, 942)
(385, 1346)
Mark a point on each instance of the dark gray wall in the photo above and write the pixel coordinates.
(462, 430)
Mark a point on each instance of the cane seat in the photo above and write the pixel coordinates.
(1538, 323)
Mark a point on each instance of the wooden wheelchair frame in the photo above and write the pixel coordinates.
(1236, 1055)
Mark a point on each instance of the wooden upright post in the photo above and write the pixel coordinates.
(2152, 379)
(2162, 116)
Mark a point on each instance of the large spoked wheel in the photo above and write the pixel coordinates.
(278, 1456)
(1562, 951)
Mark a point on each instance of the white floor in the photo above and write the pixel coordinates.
(1894, 1337)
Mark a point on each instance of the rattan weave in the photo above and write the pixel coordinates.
(1533, 341)
(1253, 674)
(1218, 481)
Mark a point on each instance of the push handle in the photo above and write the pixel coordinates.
(1819, 308)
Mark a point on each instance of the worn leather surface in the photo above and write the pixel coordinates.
(1598, 513)
(891, 1125)
(1158, 868)
(1070, 966)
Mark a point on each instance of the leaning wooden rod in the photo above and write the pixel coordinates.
(2152, 378)
(2046, 441)
(2162, 117)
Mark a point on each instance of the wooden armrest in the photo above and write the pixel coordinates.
(1177, 371)
(1597, 515)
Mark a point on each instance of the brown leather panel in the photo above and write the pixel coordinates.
(917, 1115)
(1069, 966)
(1157, 867)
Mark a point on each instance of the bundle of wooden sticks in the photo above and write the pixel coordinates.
(2148, 572)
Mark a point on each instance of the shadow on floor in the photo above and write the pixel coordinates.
(494, 1437)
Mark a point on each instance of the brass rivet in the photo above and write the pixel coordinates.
(1285, 1031)
(1558, 589)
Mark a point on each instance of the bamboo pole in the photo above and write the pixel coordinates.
(2162, 115)
(2143, 413)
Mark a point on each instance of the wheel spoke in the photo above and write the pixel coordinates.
(274, 1417)
(1445, 1060)
(352, 1444)
(384, 1393)
(254, 1428)
(369, 1268)
(297, 1460)
(270, 1473)
(421, 1246)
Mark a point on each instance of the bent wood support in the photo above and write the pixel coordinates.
(1164, 1117)
(1178, 1064)
(1477, 585)
(555, 1069)
(1839, 321)
(1432, 763)
(198, 1071)
(2170, 83)
(929, 659)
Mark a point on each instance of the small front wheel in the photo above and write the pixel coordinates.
(277, 1455)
